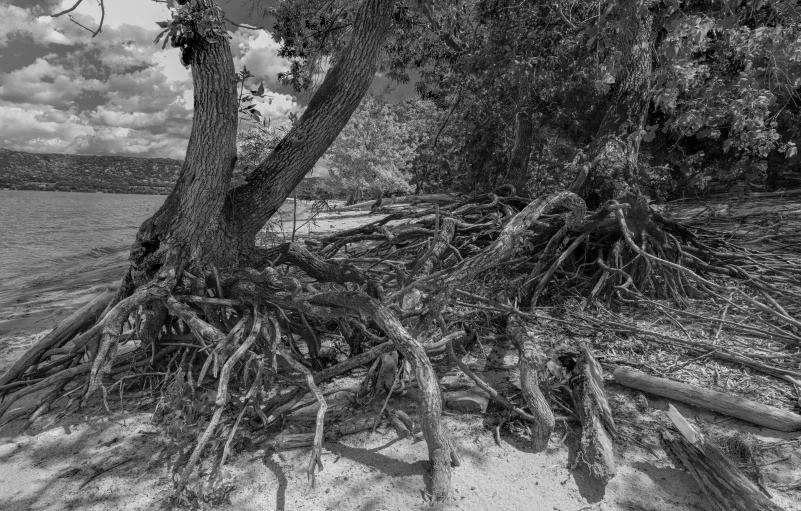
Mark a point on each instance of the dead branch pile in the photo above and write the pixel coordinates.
(235, 348)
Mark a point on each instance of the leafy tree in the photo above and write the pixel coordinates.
(376, 148)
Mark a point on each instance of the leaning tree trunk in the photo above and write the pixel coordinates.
(611, 167)
(252, 204)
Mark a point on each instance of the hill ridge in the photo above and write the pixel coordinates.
(21, 170)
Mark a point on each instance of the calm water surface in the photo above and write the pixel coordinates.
(44, 235)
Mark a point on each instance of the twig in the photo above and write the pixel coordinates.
(389, 395)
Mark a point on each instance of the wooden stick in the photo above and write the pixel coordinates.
(741, 408)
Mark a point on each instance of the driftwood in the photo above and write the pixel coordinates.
(726, 487)
(532, 365)
(598, 427)
(741, 408)
(433, 198)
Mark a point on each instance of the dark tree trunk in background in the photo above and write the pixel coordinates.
(518, 163)
(611, 169)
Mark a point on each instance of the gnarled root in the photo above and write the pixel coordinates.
(439, 451)
(532, 365)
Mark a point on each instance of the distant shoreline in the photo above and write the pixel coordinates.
(149, 192)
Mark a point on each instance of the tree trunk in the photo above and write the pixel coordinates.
(202, 221)
(518, 163)
(187, 226)
(249, 206)
(611, 169)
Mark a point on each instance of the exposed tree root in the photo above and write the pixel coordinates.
(406, 289)
(532, 365)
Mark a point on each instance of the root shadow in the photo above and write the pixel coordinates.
(280, 492)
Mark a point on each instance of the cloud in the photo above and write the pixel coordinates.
(45, 82)
(277, 108)
(257, 51)
(16, 21)
(117, 93)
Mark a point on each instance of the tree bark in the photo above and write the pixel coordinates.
(598, 428)
(532, 380)
(722, 482)
(188, 224)
(721, 402)
(611, 169)
(521, 152)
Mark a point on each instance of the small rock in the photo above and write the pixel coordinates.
(641, 402)
(468, 401)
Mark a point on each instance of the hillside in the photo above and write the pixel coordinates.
(86, 173)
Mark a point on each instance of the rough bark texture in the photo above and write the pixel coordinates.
(201, 220)
(532, 364)
(598, 427)
(735, 406)
(439, 449)
(188, 225)
(507, 242)
(612, 157)
(726, 487)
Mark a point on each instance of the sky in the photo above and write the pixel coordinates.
(62, 91)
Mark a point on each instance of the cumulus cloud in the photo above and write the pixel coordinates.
(117, 93)
(16, 21)
(257, 51)
(46, 82)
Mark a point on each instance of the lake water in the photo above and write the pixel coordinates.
(46, 235)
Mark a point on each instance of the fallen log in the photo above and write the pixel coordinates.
(726, 487)
(598, 427)
(738, 407)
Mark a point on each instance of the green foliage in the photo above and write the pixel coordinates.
(247, 104)
(376, 148)
(725, 81)
(312, 33)
(190, 26)
(256, 136)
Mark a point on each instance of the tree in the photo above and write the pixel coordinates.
(376, 148)
(203, 226)
(612, 169)
(502, 75)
